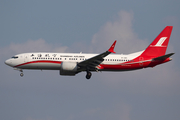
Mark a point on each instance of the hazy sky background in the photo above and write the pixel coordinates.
(88, 27)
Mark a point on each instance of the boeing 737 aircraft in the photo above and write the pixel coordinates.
(72, 63)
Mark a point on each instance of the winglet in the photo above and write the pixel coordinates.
(111, 49)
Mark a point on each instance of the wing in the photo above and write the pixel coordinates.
(91, 63)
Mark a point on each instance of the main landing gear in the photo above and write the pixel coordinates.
(88, 75)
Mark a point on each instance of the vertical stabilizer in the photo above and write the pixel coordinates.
(159, 45)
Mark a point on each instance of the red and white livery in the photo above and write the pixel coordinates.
(72, 63)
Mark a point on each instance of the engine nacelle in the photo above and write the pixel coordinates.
(68, 68)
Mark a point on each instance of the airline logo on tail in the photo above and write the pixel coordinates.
(161, 41)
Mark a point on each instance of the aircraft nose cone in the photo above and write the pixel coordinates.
(7, 62)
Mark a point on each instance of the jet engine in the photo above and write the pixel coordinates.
(68, 68)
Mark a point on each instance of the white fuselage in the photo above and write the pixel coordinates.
(52, 61)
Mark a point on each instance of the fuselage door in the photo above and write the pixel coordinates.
(26, 58)
(141, 61)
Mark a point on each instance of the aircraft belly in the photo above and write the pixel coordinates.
(125, 67)
(48, 66)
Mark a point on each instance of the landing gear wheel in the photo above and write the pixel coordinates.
(21, 74)
(88, 75)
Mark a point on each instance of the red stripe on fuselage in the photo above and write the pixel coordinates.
(40, 61)
(126, 66)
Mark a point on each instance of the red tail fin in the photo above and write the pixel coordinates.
(159, 45)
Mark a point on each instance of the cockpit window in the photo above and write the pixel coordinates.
(15, 57)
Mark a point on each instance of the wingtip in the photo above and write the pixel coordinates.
(111, 49)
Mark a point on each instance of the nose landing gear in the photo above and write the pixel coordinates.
(21, 74)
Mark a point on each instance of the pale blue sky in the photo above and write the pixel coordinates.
(88, 26)
(71, 21)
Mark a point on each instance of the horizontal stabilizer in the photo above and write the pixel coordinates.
(163, 57)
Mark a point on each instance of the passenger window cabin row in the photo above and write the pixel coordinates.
(45, 58)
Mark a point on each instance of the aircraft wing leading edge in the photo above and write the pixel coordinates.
(96, 60)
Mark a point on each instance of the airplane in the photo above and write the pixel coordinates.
(70, 64)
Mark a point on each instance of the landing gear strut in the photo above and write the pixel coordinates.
(21, 74)
(88, 75)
